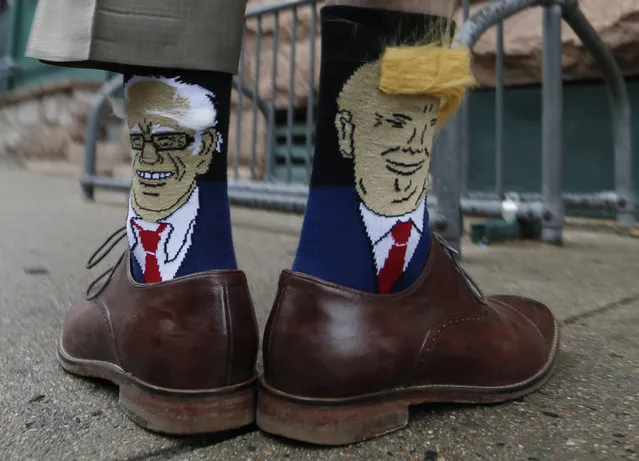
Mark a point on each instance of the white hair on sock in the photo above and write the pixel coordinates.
(118, 107)
(200, 115)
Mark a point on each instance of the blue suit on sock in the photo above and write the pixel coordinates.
(212, 242)
(338, 249)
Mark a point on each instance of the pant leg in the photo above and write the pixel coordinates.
(186, 34)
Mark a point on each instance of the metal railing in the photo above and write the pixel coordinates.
(264, 189)
(450, 198)
(548, 207)
(261, 188)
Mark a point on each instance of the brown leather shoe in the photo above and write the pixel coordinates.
(342, 366)
(182, 352)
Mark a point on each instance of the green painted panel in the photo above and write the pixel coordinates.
(299, 175)
(298, 153)
(588, 146)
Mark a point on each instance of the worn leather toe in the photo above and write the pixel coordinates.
(537, 313)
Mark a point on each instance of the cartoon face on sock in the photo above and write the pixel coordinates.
(172, 143)
(389, 138)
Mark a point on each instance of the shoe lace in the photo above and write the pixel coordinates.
(112, 240)
(96, 288)
(453, 254)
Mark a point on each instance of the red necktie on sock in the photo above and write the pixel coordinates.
(394, 264)
(150, 239)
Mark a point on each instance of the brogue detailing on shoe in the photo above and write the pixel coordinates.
(451, 323)
(104, 312)
(521, 314)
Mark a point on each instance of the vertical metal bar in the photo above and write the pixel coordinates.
(499, 113)
(270, 149)
(552, 127)
(465, 126)
(291, 96)
(447, 181)
(310, 107)
(256, 92)
(11, 48)
(621, 116)
(12, 38)
(465, 9)
(91, 135)
(238, 124)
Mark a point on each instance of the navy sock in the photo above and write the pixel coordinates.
(366, 224)
(179, 220)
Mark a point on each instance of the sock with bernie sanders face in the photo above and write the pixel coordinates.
(366, 223)
(179, 220)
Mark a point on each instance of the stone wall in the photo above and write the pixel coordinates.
(617, 21)
(245, 136)
(48, 123)
(264, 82)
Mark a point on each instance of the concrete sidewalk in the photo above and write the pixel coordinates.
(588, 411)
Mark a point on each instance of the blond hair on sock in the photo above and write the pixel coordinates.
(433, 69)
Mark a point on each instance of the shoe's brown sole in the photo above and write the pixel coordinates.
(170, 411)
(345, 421)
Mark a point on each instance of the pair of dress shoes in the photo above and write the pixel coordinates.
(340, 365)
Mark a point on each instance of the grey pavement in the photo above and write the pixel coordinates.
(588, 411)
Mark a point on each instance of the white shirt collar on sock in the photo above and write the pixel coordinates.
(378, 229)
(175, 239)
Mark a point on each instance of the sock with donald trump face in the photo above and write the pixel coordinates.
(178, 221)
(389, 80)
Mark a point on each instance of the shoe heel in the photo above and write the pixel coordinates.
(185, 413)
(321, 424)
